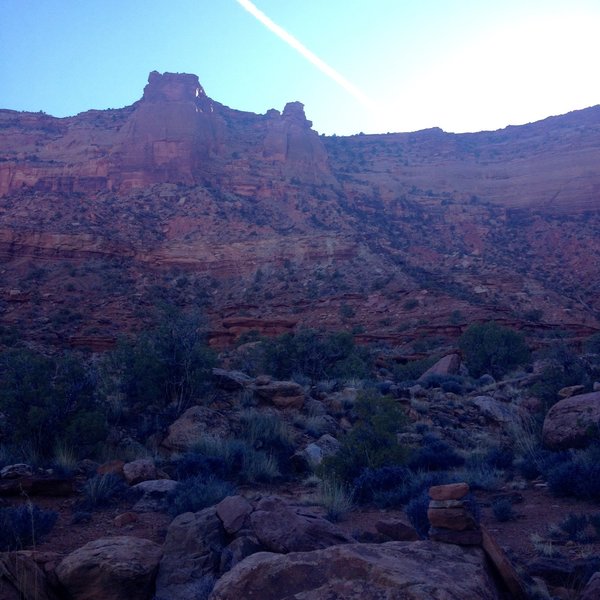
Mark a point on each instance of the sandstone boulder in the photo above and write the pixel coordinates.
(592, 589)
(119, 568)
(569, 422)
(15, 471)
(283, 394)
(191, 553)
(391, 571)
(280, 527)
(139, 470)
(194, 423)
(21, 578)
(231, 380)
(448, 365)
(153, 495)
(496, 410)
(233, 512)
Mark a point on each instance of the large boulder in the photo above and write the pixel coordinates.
(21, 578)
(191, 554)
(194, 424)
(280, 527)
(119, 568)
(153, 496)
(283, 394)
(497, 411)
(142, 469)
(569, 422)
(390, 571)
(448, 365)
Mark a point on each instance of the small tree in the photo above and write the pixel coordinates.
(492, 348)
(372, 442)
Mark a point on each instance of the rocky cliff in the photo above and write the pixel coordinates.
(265, 224)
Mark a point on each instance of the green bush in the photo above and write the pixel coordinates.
(372, 442)
(492, 348)
(196, 493)
(162, 371)
(101, 491)
(314, 356)
(502, 509)
(47, 400)
(564, 368)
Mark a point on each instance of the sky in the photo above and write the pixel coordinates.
(371, 66)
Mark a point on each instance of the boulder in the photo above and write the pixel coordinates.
(569, 422)
(16, 471)
(280, 527)
(119, 568)
(393, 571)
(449, 491)
(195, 423)
(397, 530)
(139, 470)
(21, 578)
(314, 453)
(592, 589)
(233, 512)
(570, 390)
(283, 394)
(496, 410)
(231, 380)
(191, 554)
(153, 495)
(236, 551)
(448, 365)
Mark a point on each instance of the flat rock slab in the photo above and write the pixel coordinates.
(119, 568)
(391, 571)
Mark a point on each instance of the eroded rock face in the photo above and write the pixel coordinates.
(192, 552)
(391, 571)
(119, 568)
(282, 528)
(569, 422)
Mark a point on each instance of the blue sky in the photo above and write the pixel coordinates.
(462, 65)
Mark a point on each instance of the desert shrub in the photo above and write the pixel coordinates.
(480, 477)
(592, 344)
(448, 383)
(502, 509)
(372, 442)
(492, 348)
(416, 511)
(336, 498)
(412, 370)
(268, 433)
(434, 455)
(371, 483)
(191, 464)
(564, 368)
(499, 457)
(315, 356)
(168, 366)
(574, 526)
(239, 460)
(101, 491)
(196, 493)
(577, 474)
(24, 525)
(46, 401)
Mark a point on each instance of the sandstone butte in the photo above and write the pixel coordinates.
(269, 226)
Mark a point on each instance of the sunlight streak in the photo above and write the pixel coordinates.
(289, 39)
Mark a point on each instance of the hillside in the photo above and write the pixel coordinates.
(268, 226)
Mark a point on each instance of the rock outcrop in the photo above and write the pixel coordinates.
(572, 422)
(118, 568)
(393, 570)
